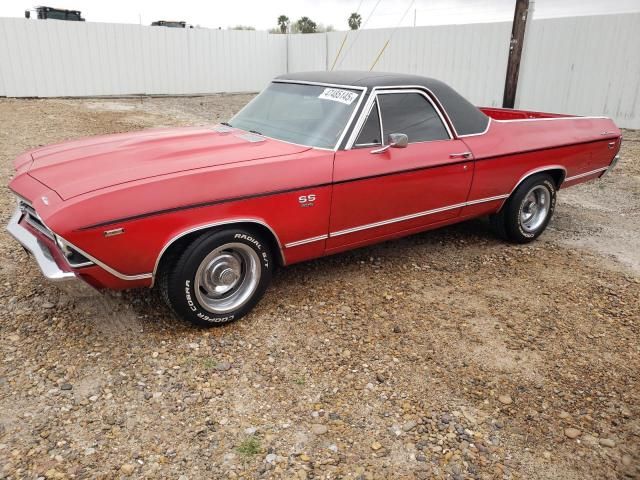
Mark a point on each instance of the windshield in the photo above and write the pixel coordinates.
(304, 114)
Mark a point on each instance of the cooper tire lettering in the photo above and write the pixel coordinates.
(177, 282)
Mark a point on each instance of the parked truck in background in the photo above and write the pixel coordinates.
(46, 13)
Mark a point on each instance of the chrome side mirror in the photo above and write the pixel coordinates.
(395, 140)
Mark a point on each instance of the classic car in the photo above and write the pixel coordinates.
(317, 163)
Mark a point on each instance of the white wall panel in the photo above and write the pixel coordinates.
(53, 58)
(307, 52)
(584, 66)
(580, 65)
(471, 58)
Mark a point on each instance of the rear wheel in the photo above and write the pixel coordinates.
(528, 210)
(218, 278)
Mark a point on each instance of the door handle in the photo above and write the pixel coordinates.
(460, 155)
(612, 144)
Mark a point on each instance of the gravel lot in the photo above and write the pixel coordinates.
(444, 355)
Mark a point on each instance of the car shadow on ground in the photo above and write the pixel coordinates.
(145, 310)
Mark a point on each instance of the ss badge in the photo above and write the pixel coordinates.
(307, 200)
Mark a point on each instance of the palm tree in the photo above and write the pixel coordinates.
(306, 25)
(355, 20)
(283, 23)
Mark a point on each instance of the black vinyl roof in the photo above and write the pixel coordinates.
(466, 118)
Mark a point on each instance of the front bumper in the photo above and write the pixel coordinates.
(53, 269)
(41, 252)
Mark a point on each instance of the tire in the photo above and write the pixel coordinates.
(528, 210)
(218, 278)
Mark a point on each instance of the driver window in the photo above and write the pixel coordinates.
(413, 115)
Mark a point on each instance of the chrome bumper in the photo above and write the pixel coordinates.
(611, 166)
(40, 252)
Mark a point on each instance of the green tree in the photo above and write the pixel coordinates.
(283, 23)
(355, 20)
(306, 25)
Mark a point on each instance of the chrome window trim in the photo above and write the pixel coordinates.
(479, 133)
(358, 145)
(332, 85)
(380, 120)
(209, 225)
(425, 92)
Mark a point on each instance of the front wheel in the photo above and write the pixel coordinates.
(219, 277)
(528, 210)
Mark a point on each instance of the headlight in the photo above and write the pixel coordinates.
(75, 258)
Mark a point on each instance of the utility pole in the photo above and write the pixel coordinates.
(415, 14)
(515, 52)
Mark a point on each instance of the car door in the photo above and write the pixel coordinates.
(380, 194)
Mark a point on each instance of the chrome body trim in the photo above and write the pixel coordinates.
(552, 118)
(306, 240)
(488, 199)
(104, 266)
(415, 215)
(586, 174)
(321, 84)
(533, 172)
(425, 92)
(40, 252)
(540, 170)
(204, 227)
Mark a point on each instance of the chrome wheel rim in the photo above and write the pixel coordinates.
(227, 278)
(535, 208)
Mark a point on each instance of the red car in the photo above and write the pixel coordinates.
(317, 163)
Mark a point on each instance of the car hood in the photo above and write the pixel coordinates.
(89, 164)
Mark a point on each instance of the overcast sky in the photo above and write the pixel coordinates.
(262, 14)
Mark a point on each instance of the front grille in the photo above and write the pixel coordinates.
(74, 258)
(33, 219)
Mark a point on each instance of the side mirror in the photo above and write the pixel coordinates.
(27, 14)
(394, 140)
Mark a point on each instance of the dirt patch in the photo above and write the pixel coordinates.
(448, 354)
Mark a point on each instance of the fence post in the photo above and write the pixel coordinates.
(515, 52)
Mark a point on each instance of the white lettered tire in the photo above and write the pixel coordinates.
(219, 277)
(528, 210)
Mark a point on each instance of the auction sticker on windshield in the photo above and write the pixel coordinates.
(338, 95)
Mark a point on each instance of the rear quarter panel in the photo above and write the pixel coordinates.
(511, 150)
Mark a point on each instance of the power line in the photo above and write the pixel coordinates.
(391, 35)
(358, 32)
(344, 39)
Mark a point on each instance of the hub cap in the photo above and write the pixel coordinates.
(227, 278)
(535, 208)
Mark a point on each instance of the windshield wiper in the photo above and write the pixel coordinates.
(256, 132)
(226, 124)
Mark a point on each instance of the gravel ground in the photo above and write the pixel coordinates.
(448, 354)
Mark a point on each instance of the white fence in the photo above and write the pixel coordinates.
(581, 65)
(584, 66)
(49, 58)
(471, 58)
